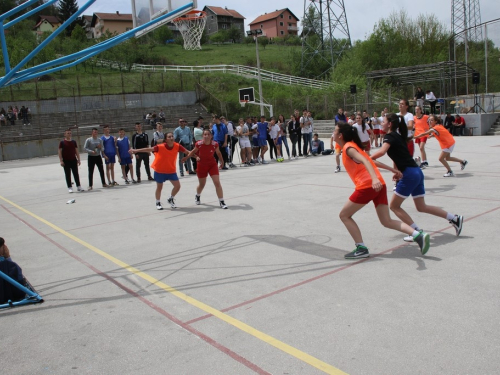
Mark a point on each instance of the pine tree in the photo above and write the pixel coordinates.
(65, 10)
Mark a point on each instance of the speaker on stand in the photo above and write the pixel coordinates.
(476, 79)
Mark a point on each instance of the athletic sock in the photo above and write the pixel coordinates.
(157, 201)
(360, 244)
(198, 195)
(221, 199)
(450, 216)
(415, 226)
(415, 233)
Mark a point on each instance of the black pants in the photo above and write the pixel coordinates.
(432, 103)
(234, 140)
(71, 166)
(93, 161)
(272, 146)
(299, 141)
(138, 161)
(223, 151)
(293, 138)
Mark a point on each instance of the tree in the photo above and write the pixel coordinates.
(65, 10)
(219, 37)
(234, 34)
(263, 41)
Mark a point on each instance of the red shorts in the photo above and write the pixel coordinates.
(411, 147)
(366, 146)
(376, 131)
(421, 140)
(203, 170)
(364, 196)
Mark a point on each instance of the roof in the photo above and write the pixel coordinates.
(87, 18)
(271, 16)
(111, 17)
(53, 20)
(224, 12)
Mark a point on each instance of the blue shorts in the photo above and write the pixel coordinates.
(255, 142)
(262, 142)
(279, 141)
(412, 183)
(126, 160)
(162, 177)
(111, 159)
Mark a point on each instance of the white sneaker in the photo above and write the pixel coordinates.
(70, 190)
(222, 205)
(265, 162)
(80, 189)
(172, 203)
(408, 238)
(449, 174)
(159, 206)
(337, 170)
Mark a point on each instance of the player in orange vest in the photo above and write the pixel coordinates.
(370, 186)
(164, 166)
(446, 142)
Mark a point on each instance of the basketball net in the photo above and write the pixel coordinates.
(191, 26)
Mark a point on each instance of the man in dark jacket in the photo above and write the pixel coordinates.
(141, 140)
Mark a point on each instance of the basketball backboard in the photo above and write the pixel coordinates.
(144, 11)
(247, 95)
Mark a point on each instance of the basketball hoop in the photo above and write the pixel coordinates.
(243, 102)
(191, 26)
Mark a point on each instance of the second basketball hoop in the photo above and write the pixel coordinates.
(191, 26)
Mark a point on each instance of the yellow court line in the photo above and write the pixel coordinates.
(323, 366)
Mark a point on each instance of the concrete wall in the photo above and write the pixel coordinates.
(89, 103)
(483, 122)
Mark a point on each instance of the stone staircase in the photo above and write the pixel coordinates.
(47, 126)
(495, 128)
(324, 128)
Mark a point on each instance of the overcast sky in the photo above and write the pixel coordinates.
(361, 14)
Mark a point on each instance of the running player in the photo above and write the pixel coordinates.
(370, 186)
(207, 165)
(164, 167)
(447, 143)
(412, 182)
(364, 133)
(421, 126)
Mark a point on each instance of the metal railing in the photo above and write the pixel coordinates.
(241, 70)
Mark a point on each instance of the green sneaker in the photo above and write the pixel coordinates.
(423, 240)
(358, 252)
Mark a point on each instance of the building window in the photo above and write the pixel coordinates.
(289, 17)
(281, 23)
(261, 26)
(212, 17)
(281, 15)
(282, 32)
(289, 24)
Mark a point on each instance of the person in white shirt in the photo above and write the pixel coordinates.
(403, 111)
(431, 98)
(305, 126)
(243, 131)
(275, 133)
(376, 129)
(364, 132)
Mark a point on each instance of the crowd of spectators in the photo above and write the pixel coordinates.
(13, 114)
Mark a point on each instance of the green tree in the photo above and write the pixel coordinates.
(66, 9)
(263, 41)
(234, 34)
(219, 37)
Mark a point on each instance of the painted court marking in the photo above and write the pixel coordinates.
(304, 357)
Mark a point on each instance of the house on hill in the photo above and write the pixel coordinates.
(222, 19)
(87, 26)
(114, 22)
(46, 24)
(276, 24)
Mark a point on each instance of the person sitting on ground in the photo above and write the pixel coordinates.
(318, 146)
(9, 292)
(448, 122)
(161, 115)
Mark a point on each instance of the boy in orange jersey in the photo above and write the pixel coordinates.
(164, 166)
(421, 126)
(370, 186)
(447, 143)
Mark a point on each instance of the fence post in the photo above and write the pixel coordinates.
(100, 80)
(123, 84)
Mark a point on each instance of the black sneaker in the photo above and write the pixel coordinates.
(197, 199)
(463, 164)
(223, 205)
(457, 223)
(423, 240)
(172, 203)
(159, 206)
(358, 252)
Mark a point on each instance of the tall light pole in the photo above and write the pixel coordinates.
(255, 33)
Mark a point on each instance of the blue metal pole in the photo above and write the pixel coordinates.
(33, 53)
(17, 9)
(31, 12)
(86, 53)
(5, 53)
(17, 285)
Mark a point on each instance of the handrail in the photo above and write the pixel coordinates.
(266, 75)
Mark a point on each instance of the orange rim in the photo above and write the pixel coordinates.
(191, 16)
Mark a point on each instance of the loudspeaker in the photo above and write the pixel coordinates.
(353, 89)
(476, 78)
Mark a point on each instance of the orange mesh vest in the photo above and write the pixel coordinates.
(165, 159)
(358, 173)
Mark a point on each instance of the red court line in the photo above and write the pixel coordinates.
(155, 307)
(325, 274)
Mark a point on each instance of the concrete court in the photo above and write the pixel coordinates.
(270, 270)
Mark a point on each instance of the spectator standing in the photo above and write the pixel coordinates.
(197, 136)
(294, 130)
(305, 127)
(95, 151)
(220, 133)
(283, 130)
(376, 129)
(262, 129)
(122, 147)
(158, 135)
(364, 133)
(340, 116)
(69, 158)
(419, 97)
(183, 136)
(24, 115)
(403, 111)
(431, 98)
(243, 131)
(299, 133)
(140, 140)
(232, 139)
(109, 151)
(275, 134)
